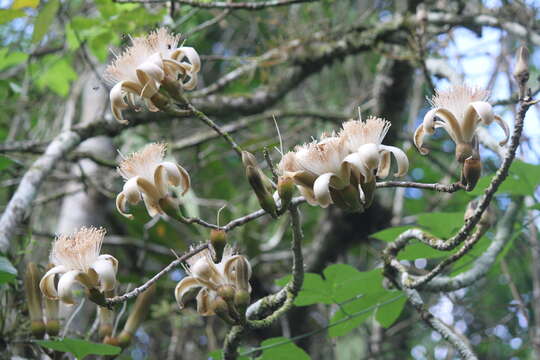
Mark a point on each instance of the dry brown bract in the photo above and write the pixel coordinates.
(140, 69)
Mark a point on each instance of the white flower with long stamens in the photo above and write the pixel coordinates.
(209, 279)
(148, 177)
(77, 258)
(140, 69)
(331, 166)
(364, 141)
(459, 110)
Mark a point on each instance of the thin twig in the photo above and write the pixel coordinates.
(224, 5)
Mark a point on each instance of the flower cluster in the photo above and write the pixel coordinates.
(140, 69)
(77, 259)
(341, 168)
(222, 288)
(148, 178)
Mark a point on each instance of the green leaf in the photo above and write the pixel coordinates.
(418, 250)
(283, 349)
(8, 59)
(9, 14)
(7, 270)
(523, 179)
(19, 4)
(345, 282)
(441, 224)
(314, 290)
(218, 355)
(58, 76)
(352, 314)
(5, 162)
(391, 234)
(80, 348)
(387, 314)
(44, 20)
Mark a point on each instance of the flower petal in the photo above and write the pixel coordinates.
(504, 126)
(401, 159)
(384, 165)
(177, 175)
(476, 111)
(105, 267)
(321, 189)
(419, 140)
(191, 55)
(204, 299)
(118, 103)
(150, 75)
(185, 286)
(121, 205)
(148, 189)
(65, 286)
(152, 206)
(192, 82)
(359, 166)
(308, 194)
(131, 191)
(46, 283)
(449, 123)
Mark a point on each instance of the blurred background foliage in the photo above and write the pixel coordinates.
(52, 57)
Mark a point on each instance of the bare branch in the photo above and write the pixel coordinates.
(225, 5)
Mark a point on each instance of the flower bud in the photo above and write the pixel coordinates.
(241, 301)
(521, 70)
(52, 323)
(33, 296)
(106, 322)
(218, 239)
(226, 292)
(472, 169)
(138, 313)
(285, 188)
(222, 310)
(463, 151)
(171, 207)
(260, 183)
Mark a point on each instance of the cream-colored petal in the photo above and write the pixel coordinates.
(504, 126)
(65, 286)
(131, 190)
(401, 159)
(118, 103)
(177, 175)
(204, 303)
(449, 123)
(152, 206)
(358, 164)
(150, 105)
(150, 75)
(476, 111)
(384, 165)
(148, 189)
(191, 55)
(192, 82)
(173, 66)
(105, 267)
(419, 140)
(321, 190)
(185, 286)
(121, 205)
(160, 179)
(46, 283)
(308, 194)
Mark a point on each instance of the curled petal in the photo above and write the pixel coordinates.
(160, 179)
(152, 206)
(419, 140)
(121, 205)
(476, 111)
(401, 159)
(173, 174)
(449, 123)
(204, 299)
(131, 191)
(184, 287)
(46, 284)
(308, 194)
(150, 75)
(65, 286)
(118, 103)
(302, 178)
(384, 165)
(504, 126)
(321, 189)
(192, 82)
(192, 55)
(174, 66)
(358, 165)
(105, 267)
(148, 188)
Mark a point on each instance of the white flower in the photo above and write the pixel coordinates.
(364, 141)
(458, 110)
(77, 259)
(209, 278)
(140, 69)
(148, 178)
(325, 171)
